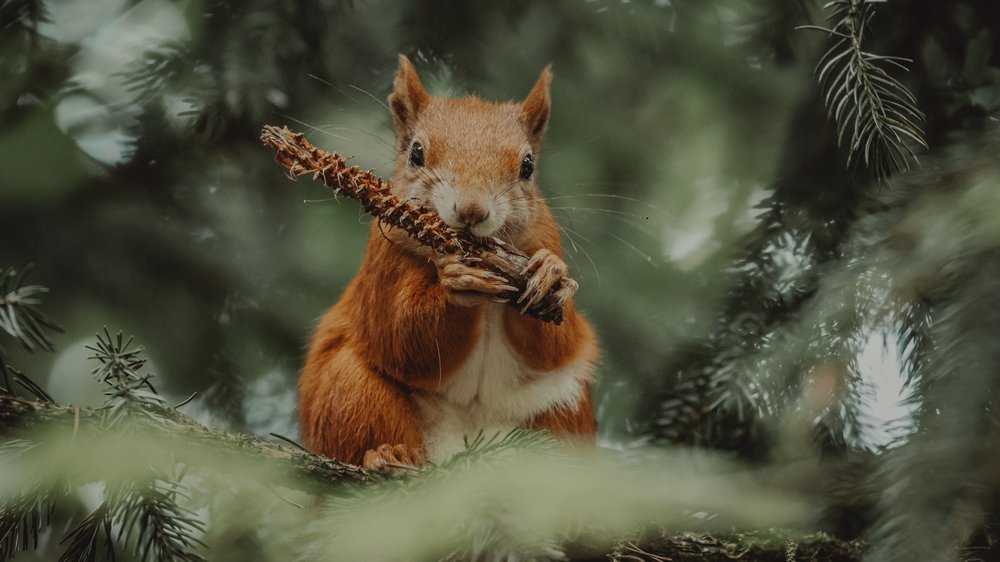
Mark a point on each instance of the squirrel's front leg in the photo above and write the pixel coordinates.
(545, 346)
(468, 285)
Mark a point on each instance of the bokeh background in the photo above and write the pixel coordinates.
(754, 293)
(133, 179)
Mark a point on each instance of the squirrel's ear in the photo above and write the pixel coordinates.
(408, 96)
(535, 108)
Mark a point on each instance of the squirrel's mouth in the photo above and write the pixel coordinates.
(476, 231)
(487, 227)
(483, 231)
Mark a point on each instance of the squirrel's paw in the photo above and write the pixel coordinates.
(388, 457)
(546, 270)
(467, 285)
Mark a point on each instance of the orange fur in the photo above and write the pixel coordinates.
(576, 423)
(542, 345)
(396, 333)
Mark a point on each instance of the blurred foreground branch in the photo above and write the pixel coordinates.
(762, 546)
(192, 443)
(313, 472)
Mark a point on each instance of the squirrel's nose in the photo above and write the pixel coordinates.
(471, 214)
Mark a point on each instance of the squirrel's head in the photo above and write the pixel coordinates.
(471, 160)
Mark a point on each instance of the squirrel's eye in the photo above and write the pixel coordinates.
(527, 167)
(416, 155)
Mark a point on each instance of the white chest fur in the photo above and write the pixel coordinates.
(493, 392)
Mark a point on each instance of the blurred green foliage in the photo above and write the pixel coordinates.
(134, 181)
(738, 262)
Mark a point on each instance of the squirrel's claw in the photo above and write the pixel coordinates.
(389, 457)
(546, 270)
(566, 291)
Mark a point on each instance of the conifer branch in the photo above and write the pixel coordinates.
(21, 319)
(82, 542)
(163, 530)
(872, 110)
(763, 546)
(299, 157)
(19, 314)
(27, 513)
(141, 513)
(22, 520)
(129, 393)
(312, 472)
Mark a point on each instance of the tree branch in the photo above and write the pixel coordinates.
(185, 437)
(757, 546)
(313, 472)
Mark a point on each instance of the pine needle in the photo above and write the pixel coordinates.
(876, 116)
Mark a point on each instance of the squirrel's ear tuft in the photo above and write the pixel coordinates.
(535, 109)
(408, 96)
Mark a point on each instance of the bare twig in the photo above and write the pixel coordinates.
(299, 157)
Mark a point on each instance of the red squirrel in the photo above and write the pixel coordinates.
(419, 352)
